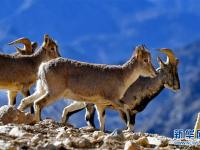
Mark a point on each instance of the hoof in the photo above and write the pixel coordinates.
(128, 131)
(88, 128)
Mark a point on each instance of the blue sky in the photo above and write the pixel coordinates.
(96, 30)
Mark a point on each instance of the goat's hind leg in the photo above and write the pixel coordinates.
(132, 122)
(12, 97)
(129, 117)
(43, 101)
(71, 109)
(123, 116)
(89, 114)
(101, 115)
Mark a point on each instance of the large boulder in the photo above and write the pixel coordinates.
(10, 114)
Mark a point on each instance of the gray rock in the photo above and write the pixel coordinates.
(143, 141)
(164, 143)
(97, 134)
(17, 132)
(116, 134)
(6, 145)
(61, 134)
(36, 138)
(47, 146)
(5, 129)
(81, 143)
(10, 114)
(68, 142)
(58, 144)
(88, 128)
(130, 145)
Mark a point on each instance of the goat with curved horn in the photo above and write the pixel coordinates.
(26, 51)
(19, 72)
(171, 57)
(27, 45)
(138, 95)
(96, 83)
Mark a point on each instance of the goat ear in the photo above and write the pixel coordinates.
(138, 52)
(46, 40)
(161, 63)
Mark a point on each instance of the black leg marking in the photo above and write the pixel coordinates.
(40, 114)
(132, 119)
(14, 102)
(104, 112)
(90, 112)
(103, 115)
(72, 112)
(32, 109)
(27, 93)
(123, 116)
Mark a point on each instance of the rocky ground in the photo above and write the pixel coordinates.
(18, 131)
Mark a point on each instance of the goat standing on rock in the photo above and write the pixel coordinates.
(95, 83)
(28, 49)
(150, 87)
(140, 93)
(19, 73)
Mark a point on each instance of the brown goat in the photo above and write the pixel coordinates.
(96, 83)
(19, 73)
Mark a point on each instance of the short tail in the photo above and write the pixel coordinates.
(41, 82)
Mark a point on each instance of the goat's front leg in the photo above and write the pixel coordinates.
(129, 122)
(123, 116)
(89, 114)
(130, 126)
(126, 114)
(43, 101)
(28, 101)
(101, 115)
(12, 97)
(26, 93)
(71, 109)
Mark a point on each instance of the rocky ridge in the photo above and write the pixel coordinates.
(18, 131)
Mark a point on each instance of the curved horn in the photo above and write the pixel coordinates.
(170, 55)
(25, 41)
(21, 51)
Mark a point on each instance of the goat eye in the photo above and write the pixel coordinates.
(52, 48)
(146, 60)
